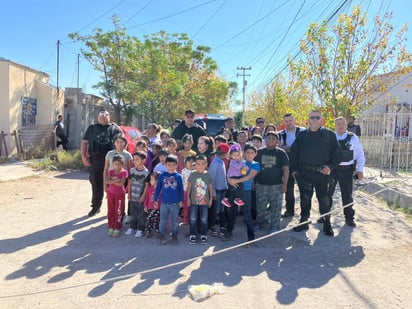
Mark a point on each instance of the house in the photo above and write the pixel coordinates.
(385, 126)
(29, 106)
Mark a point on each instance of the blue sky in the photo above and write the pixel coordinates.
(259, 34)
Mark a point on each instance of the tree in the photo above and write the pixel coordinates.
(111, 53)
(160, 76)
(278, 98)
(344, 63)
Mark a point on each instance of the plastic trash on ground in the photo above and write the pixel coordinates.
(200, 292)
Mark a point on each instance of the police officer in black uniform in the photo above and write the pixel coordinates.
(97, 141)
(313, 156)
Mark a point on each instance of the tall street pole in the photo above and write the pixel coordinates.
(243, 69)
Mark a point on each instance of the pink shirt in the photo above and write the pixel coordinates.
(114, 189)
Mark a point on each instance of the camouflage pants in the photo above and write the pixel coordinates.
(268, 205)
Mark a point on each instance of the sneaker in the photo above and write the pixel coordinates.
(192, 240)
(226, 237)
(287, 214)
(226, 202)
(116, 233)
(163, 240)
(239, 202)
(212, 231)
(138, 234)
(174, 240)
(149, 235)
(222, 232)
(203, 240)
(110, 232)
(130, 231)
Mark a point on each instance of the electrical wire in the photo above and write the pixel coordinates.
(209, 19)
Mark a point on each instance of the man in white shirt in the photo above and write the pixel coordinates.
(353, 161)
(287, 137)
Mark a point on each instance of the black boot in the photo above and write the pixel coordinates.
(327, 228)
(302, 227)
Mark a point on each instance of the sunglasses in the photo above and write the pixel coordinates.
(314, 117)
(260, 122)
(104, 114)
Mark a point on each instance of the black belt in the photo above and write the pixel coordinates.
(345, 167)
(311, 168)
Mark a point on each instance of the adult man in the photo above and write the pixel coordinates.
(260, 122)
(314, 154)
(353, 159)
(271, 182)
(287, 137)
(59, 131)
(229, 124)
(352, 127)
(97, 141)
(188, 126)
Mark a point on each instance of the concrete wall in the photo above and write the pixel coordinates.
(17, 81)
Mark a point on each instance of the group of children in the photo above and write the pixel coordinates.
(181, 188)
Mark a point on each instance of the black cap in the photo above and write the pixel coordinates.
(272, 133)
(177, 121)
(189, 111)
(229, 119)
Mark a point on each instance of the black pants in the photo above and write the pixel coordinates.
(63, 140)
(233, 193)
(290, 195)
(96, 180)
(307, 181)
(345, 180)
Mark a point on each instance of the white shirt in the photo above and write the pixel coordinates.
(358, 154)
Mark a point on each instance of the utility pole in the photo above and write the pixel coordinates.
(58, 67)
(243, 69)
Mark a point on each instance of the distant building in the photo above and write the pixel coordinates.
(385, 125)
(29, 106)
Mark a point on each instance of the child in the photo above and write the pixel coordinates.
(217, 170)
(136, 190)
(199, 199)
(156, 147)
(120, 143)
(152, 211)
(187, 151)
(115, 179)
(170, 186)
(250, 153)
(141, 145)
(236, 170)
(189, 162)
(161, 166)
(257, 141)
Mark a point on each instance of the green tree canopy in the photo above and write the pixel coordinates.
(159, 76)
(344, 63)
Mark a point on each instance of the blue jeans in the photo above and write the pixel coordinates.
(165, 211)
(194, 210)
(247, 214)
(220, 208)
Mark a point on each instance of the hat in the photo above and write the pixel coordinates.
(272, 133)
(223, 148)
(229, 119)
(235, 148)
(189, 111)
(177, 121)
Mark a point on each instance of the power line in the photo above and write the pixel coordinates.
(208, 20)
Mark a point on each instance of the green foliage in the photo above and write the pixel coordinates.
(60, 160)
(159, 76)
(341, 63)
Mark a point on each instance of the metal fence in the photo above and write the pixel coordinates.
(387, 140)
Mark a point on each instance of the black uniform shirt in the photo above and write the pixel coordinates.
(315, 148)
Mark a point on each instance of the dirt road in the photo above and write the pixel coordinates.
(54, 256)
